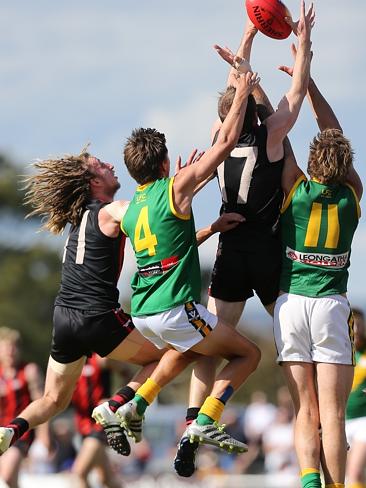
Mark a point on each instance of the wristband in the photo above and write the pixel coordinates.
(243, 66)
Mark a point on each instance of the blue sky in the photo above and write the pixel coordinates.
(88, 71)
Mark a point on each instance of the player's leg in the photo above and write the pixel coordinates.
(93, 454)
(59, 386)
(228, 309)
(332, 334)
(192, 327)
(300, 378)
(243, 357)
(10, 465)
(294, 345)
(135, 349)
(334, 384)
(87, 457)
(107, 475)
(203, 374)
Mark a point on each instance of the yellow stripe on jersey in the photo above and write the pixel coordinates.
(287, 202)
(171, 203)
(144, 186)
(356, 198)
(199, 324)
(333, 227)
(313, 229)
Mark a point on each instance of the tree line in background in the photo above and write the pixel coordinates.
(30, 276)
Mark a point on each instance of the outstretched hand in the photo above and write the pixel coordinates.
(227, 221)
(192, 158)
(247, 81)
(237, 62)
(290, 69)
(303, 26)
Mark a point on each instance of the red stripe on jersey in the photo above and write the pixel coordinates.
(14, 395)
(121, 255)
(124, 319)
(88, 393)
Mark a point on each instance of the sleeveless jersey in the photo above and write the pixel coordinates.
(14, 394)
(317, 226)
(92, 263)
(251, 185)
(92, 386)
(356, 405)
(166, 250)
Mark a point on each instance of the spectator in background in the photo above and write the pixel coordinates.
(62, 433)
(259, 414)
(278, 443)
(20, 383)
(92, 388)
(356, 409)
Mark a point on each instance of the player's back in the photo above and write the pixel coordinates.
(165, 246)
(317, 224)
(251, 185)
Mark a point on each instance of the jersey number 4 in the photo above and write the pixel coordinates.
(144, 239)
(314, 226)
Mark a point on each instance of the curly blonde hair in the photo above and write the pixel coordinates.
(59, 190)
(330, 157)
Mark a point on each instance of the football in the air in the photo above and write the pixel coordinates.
(269, 17)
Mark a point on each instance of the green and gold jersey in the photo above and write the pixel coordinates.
(165, 247)
(317, 226)
(356, 405)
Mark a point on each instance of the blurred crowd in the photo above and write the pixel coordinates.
(267, 428)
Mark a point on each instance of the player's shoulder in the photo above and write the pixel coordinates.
(115, 210)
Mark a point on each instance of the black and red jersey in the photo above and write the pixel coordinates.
(92, 263)
(14, 394)
(92, 386)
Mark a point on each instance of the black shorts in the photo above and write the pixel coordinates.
(78, 333)
(239, 272)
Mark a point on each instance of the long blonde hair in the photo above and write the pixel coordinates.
(330, 157)
(59, 190)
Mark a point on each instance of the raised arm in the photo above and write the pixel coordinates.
(188, 178)
(327, 119)
(281, 122)
(323, 112)
(241, 60)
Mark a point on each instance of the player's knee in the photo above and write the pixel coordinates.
(56, 401)
(310, 412)
(254, 356)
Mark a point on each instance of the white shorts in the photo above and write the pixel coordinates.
(313, 329)
(182, 327)
(356, 430)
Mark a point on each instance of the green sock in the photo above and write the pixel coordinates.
(311, 480)
(204, 419)
(141, 404)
